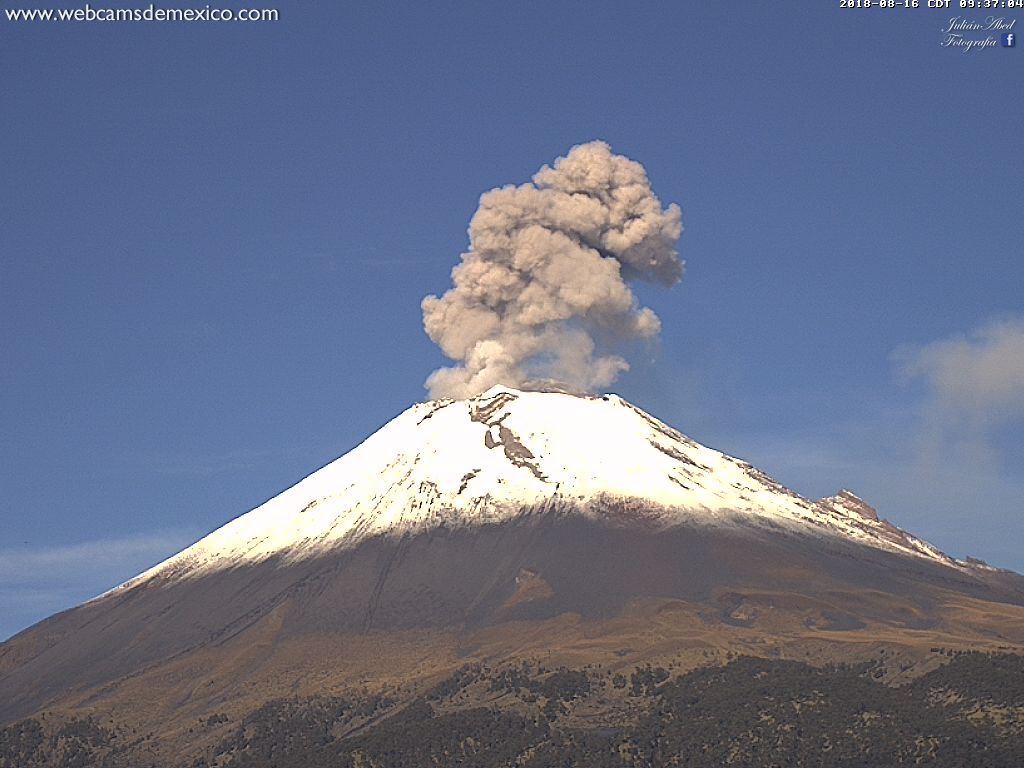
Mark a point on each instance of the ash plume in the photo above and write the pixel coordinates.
(542, 291)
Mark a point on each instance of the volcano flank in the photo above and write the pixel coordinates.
(509, 528)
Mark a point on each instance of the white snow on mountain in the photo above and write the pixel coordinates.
(484, 460)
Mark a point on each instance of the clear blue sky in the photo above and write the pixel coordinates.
(214, 239)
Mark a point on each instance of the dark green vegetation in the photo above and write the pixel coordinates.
(76, 743)
(751, 712)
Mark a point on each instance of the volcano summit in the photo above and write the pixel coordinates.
(506, 456)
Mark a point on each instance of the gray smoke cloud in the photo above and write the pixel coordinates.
(543, 286)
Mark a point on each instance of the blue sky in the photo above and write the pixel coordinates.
(214, 239)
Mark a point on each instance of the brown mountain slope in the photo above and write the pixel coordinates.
(402, 612)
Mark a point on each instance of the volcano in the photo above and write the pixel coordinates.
(507, 526)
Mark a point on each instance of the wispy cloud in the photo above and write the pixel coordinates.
(978, 376)
(226, 462)
(947, 462)
(28, 564)
(242, 460)
(974, 389)
(36, 581)
(937, 449)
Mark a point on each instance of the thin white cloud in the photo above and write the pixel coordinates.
(37, 581)
(977, 378)
(944, 462)
(210, 464)
(974, 392)
(28, 564)
(957, 466)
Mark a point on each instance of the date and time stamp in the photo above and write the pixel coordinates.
(977, 26)
(947, 5)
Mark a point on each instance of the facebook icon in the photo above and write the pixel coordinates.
(1009, 39)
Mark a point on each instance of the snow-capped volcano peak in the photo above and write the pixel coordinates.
(452, 463)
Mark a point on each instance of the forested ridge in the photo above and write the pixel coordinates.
(750, 712)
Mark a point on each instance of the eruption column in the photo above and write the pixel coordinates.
(543, 288)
